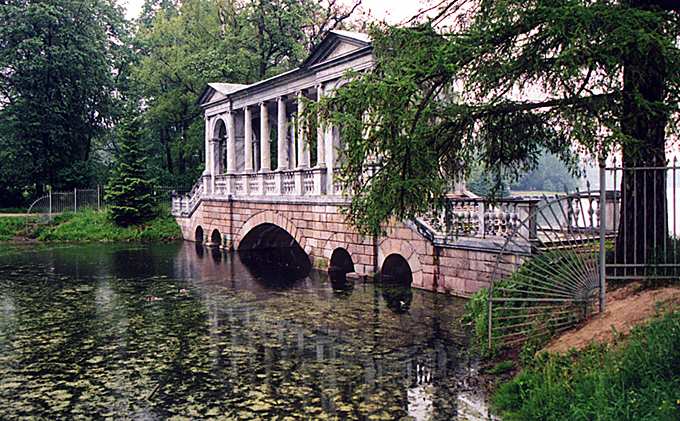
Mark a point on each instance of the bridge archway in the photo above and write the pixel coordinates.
(339, 265)
(216, 238)
(403, 249)
(396, 278)
(341, 261)
(198, 234)
(271, 218)
(396, 270)
(273, 249)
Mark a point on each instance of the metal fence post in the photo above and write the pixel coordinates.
(603, 231)
(98, 201)
(50, 200)
(75, 200)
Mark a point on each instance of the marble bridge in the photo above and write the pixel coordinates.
(267, 186)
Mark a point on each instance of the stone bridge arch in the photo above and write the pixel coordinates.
(404, 249)
(273, 218)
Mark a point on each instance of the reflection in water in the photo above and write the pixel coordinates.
(397, 296)
(340, 283)
(78, 338)
(277, 267)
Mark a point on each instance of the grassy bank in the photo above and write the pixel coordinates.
(90, 225)
(11, 226)
(638, 379)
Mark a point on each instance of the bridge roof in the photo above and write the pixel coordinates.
(336, 48)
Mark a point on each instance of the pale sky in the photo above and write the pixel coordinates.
(394, 11)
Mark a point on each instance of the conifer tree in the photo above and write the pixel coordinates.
(130, 190)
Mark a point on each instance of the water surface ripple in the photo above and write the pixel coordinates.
(174, 331)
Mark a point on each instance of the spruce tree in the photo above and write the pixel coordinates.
(130, 190)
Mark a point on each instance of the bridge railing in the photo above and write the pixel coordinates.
(479, 218)
(307, 182)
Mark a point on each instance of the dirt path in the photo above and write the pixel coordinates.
(626, 308)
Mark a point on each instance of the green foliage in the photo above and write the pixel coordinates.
(502, 367)
(477, 313)
(485, 184)
(505, 83)
(57, 60)
(11, 226)
(130, 191)
(550, 175)
(90, 225)
(638, 381)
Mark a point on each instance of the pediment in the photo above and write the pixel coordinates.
(337, 44)
(218, 91)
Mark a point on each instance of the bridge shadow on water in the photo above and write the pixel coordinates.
(277, 267)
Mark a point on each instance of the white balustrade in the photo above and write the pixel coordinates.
(304, 182)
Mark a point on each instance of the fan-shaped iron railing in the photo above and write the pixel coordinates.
(546, 283)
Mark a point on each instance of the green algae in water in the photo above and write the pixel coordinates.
(80, 337)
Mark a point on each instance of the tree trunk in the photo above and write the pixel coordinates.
(643, 227)
(181, 161)
(166, 147)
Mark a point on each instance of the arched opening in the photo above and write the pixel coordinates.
(220, 132)
(340, 265)
(274, 256)
(215, 238)
(198, 235)
(396, 278)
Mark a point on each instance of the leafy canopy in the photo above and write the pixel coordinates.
(503, 83)
(58, 61)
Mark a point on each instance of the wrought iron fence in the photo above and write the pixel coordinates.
(626, 229)
(646, 245)
(55, 203)
(546, 283)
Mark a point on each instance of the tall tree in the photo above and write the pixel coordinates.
(499, 82)
(58, 61)
(130, 189)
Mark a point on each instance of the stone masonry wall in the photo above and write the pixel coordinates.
(320, 229)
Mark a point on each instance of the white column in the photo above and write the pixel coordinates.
(248, 139)
(208, 161)
(302, 145)
(282, 131)
(265, 159)
(320, 144)
(231, 143)
(330, 157)
(292, 147)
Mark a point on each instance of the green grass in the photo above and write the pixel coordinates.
(12, 210)
(90, 225)
(501, 367)
(11, 226)
(638, 380)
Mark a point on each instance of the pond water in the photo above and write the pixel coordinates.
(179, 331)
